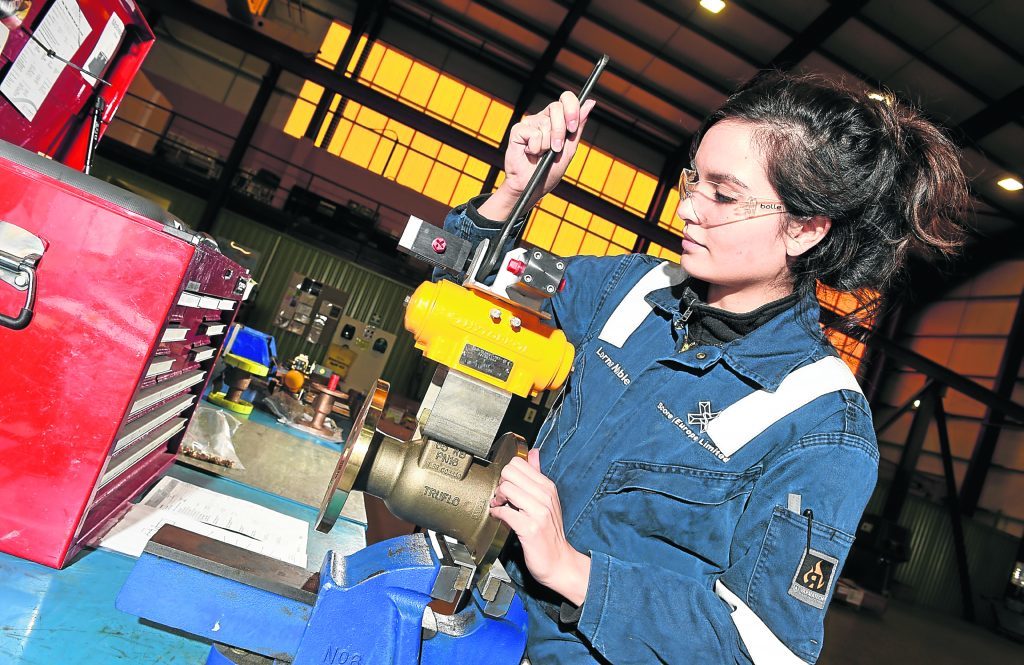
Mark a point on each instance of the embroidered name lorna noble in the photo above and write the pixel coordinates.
(615, 367)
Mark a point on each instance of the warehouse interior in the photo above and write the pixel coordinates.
(301, 135)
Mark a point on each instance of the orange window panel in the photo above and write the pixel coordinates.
(334, 42)
(360, 146)
(340, 136)
(554, 204)
(601, 226)
(663, 253)
(371, 119)
(372, 64)
(425, 144)
(568, 239)
(394, 69)
(477, 168)
(384, 155)
(452, 157)
(619, 182)
(472, 110)
(623, 238)
(414, 171)
(577, 215)
(595, 171)
(445, 99)
(572, 173)
(668, 218)
(356, 54)
(419, 85)
(441, 182)
(467, 188)
(495, 122)
(641, 193)
(594, 245)
(540, 231)
(299, 118)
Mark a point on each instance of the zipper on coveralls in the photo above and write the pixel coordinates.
(681, 326)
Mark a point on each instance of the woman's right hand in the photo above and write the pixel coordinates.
(558, 127)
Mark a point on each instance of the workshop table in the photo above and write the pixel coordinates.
(68, 616)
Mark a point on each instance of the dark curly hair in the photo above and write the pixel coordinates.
(888, 178)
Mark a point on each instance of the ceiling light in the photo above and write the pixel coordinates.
(713, 6)
(1011, 184)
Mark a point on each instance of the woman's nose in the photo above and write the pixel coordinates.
(686, 212)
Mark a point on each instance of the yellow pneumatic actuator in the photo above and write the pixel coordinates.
(481, 336)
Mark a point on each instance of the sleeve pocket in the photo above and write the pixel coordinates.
(792, 584)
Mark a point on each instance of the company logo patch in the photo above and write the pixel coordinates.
(813, 578)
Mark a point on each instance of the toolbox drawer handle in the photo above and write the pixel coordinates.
(23, 319)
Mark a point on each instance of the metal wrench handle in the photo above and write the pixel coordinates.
(494, 249)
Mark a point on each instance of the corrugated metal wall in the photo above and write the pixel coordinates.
(930, 578)
(187, 207)
(369, 293)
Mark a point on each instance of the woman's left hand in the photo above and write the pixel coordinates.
(527, 501)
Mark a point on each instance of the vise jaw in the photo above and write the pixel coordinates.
(366, 608)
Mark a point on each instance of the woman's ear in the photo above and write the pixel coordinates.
(803, 233)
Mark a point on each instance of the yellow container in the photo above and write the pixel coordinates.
(475, 334)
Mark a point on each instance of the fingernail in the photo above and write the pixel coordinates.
(556, 145)
(573, 125)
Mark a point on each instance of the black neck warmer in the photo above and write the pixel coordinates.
(714, 327)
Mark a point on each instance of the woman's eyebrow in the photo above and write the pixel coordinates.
(723, 178)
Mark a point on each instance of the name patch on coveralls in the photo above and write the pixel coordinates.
(813, 578)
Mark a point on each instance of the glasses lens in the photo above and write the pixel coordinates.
(687, 179)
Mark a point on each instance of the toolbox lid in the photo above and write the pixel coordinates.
(112, 193)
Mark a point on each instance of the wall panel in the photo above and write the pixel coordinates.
(369, 293)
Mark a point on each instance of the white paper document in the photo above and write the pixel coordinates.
(34, 72)
(230, 520)
(105, 48)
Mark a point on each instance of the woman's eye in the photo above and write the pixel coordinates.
(721, 197)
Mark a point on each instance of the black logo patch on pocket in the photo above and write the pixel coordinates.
(813, 578)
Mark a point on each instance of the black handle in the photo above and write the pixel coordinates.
(494, 250)
(23, 319)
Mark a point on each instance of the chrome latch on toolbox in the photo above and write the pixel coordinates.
(20, 252)
(19, 249)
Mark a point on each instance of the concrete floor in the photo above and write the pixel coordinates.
(279, 462)
(907, 635)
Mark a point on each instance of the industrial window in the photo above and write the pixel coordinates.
(418, 85)
(611, 179)
(380, 144)
(566, 230)
(850, 349)
(670, 221)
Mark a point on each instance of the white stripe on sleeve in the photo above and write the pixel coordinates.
(761, 643)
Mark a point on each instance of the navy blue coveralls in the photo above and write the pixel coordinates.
(693, 477)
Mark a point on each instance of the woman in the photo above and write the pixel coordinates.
(694, 495)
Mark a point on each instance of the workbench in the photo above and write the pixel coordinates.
(67, 616)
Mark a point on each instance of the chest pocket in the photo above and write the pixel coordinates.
(648, 506)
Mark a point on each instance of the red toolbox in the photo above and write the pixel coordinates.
(110, 320)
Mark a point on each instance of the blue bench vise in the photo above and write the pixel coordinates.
(366, 608)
